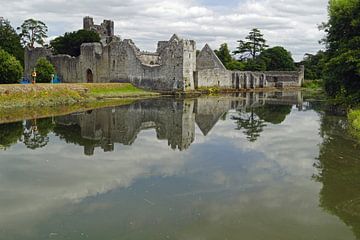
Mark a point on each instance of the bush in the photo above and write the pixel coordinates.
(44, 70)
(10, 68)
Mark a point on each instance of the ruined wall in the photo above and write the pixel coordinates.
(210, 70)
(31, 57)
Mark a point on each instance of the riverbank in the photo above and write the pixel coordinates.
(19, 102)
(49, 95)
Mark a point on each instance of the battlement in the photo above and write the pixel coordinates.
(105, 29)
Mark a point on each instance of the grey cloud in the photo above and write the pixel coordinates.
(290, 23)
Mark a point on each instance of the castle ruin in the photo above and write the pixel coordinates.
(174, 66)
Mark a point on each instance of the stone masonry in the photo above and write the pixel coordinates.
(173, 67)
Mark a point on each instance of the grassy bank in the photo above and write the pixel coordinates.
(49, 95)
(354, 121)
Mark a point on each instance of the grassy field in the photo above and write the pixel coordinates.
(40, 95)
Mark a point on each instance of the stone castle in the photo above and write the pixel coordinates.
(175, 66)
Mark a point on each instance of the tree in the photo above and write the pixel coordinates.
(278, 59)
(71, 42)
(229, 62)
(314, 65)
(33, 31)
(257, 64)
(10, 68)
(44, 70)
(254, 45)
(342, 68)
(224, 54)
(10, 40)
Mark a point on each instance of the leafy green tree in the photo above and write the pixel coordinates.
(33, 31)
(278, 59)
(229, 62)
(257, 64)
(252, 46)
(314, 65)
(44, 70)
(224, 54)
(71, 42)
(10, 40)
(236, 65)
(342, 70)
(10, 68)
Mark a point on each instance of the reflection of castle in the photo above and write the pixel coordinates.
(173, 120)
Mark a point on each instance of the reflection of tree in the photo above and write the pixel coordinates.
(36, 132)
(274, 114)
(10, 133)
(339, 172)
(251, 124)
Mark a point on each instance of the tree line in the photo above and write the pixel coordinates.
(253, 54)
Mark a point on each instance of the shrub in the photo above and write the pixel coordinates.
(10, 68)
(44, 70)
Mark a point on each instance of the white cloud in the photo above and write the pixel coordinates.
(289, 23)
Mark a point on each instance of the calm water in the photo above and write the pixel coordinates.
(257, 166)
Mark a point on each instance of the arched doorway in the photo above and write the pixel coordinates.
(89, 76)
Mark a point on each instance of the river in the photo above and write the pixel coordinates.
(257, 166)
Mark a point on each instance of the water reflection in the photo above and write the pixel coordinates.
(245, 169)
(173, 120)
(339, 171)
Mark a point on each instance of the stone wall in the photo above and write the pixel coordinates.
(31, 57)
(172, 68)
(210, 70)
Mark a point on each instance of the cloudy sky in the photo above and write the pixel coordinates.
(290, 23)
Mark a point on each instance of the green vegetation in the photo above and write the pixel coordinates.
(254, 56)
(342, 68)
(10, 40)
(15, 96)
(354, 122)
(277, 59)
(313, 85)
(10, 68)
(70, 43)
(254, 45)
(33, 32)
(45, 70)
(314, 65)
(229, 62)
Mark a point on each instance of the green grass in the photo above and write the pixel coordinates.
(12, 96)
(354, 122)
(354, 119)
(313, 85)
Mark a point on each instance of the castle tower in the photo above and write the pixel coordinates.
(88, 23)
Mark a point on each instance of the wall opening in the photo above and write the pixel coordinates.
(89, 76)
(237, 85)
